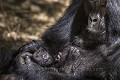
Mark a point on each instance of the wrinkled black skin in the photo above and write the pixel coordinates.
(42, 57)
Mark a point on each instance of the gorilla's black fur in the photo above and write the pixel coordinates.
(62, 34)
(24, 68)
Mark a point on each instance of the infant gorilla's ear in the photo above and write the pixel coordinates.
(42, 57)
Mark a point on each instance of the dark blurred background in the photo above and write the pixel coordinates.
(24, 20)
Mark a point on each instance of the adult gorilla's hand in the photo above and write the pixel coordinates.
(114, 50)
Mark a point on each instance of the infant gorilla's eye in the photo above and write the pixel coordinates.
(45, 56)
(94, 20)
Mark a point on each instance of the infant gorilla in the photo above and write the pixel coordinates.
(34, 63)
(44, 59)
(39, 54)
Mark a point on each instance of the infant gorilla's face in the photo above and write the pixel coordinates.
(42, 57)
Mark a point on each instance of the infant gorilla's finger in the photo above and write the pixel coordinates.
(21, 60)
(74, 50)
(58, 56)
(28, 60)
(24, 58)
(26, 54)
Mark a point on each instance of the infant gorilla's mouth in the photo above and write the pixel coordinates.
(48, 61)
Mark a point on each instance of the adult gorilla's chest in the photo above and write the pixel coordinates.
(85, 64)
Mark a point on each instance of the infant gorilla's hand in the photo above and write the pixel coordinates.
(24, 59)
(74, 50)
(61, 57)
(24, 65)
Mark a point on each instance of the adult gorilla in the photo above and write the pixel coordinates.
(75, 21)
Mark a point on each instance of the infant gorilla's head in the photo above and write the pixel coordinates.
(42, 57)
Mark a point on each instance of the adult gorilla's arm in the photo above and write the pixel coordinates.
(113, 20)
(31, 46)
(57, 37)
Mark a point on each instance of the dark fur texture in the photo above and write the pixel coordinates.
(61, 35)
